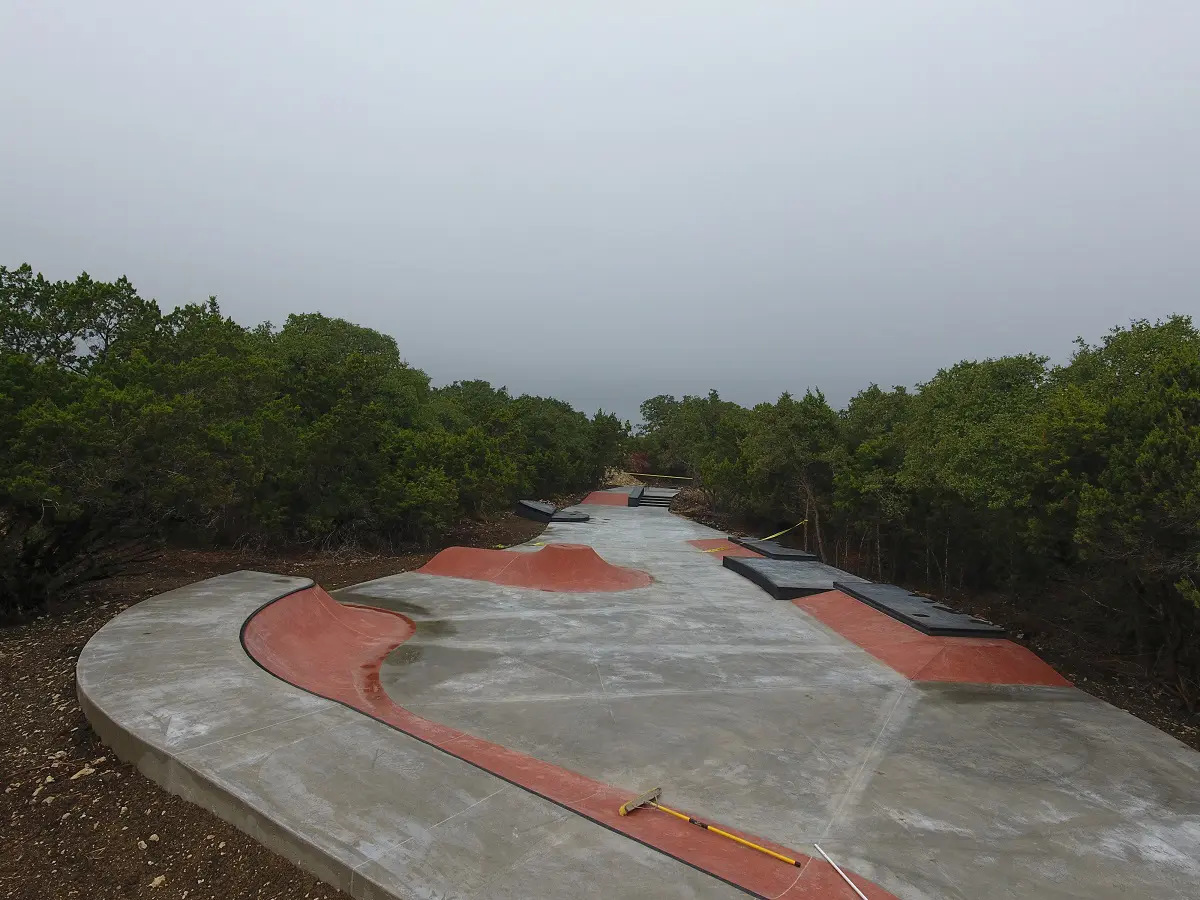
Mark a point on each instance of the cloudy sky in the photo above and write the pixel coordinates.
(609, 200)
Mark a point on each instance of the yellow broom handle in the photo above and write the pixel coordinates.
(725, 834)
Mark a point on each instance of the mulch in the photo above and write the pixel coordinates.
(78, 823)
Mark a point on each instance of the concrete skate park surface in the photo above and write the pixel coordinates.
(473, 739)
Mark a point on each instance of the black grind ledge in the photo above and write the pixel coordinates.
(774, 550)
(788, 579)
(548, 512)
(925, 615)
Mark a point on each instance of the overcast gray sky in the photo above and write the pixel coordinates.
(603, 201)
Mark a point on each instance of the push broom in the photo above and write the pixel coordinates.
(650, 798)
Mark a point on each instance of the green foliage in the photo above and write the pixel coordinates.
(116, 418)
(994, 473)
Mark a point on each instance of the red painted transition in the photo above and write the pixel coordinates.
(556, 567)
(605, 498)
(311, 641)
(719, 548)
(923, 657)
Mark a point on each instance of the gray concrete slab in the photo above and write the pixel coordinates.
(368, 809)
(746, 710)
(754, 714)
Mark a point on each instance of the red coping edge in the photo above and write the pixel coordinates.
(719, 548)
(923, 657)
(313, 642)
(555, 567)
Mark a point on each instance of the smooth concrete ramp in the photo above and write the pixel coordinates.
(555, 567)
(442, 713)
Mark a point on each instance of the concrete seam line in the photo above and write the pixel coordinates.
(900, 696)
(234, 737)
(394, 847)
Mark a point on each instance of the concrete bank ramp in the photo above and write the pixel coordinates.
(555, 567)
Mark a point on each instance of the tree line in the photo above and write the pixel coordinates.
(120, 422)
(1075, 484)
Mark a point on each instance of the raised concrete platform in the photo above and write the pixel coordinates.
(616, 496)
(787, 579)
(774, 550)
(922, 613)
(538, 511)
(790, 723)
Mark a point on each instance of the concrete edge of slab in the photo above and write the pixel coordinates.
(166, 769)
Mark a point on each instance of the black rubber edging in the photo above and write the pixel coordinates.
(584, 816)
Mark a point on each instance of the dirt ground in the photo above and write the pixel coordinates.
(79, 823)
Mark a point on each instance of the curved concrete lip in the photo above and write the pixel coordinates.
(930, 790)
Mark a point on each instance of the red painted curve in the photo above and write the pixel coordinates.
(719, 548)
(605, 498)
(556, 567)
(335, 651)
(923, 657)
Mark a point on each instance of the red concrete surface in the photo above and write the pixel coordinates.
(311, 641)
(555, 567)
(923, 657)
(719, 548)
(606, 498)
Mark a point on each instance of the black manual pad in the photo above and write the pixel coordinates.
(785, 579)
(773, 550)
(923, 614)
(570, 515)
(548, 512)
(536, 510)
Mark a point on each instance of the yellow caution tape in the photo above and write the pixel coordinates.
(772, 537)
(715, 549)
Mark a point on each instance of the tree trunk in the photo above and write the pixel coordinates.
(806, 504)
(928, 575)
(810, 503)
(946, 568)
